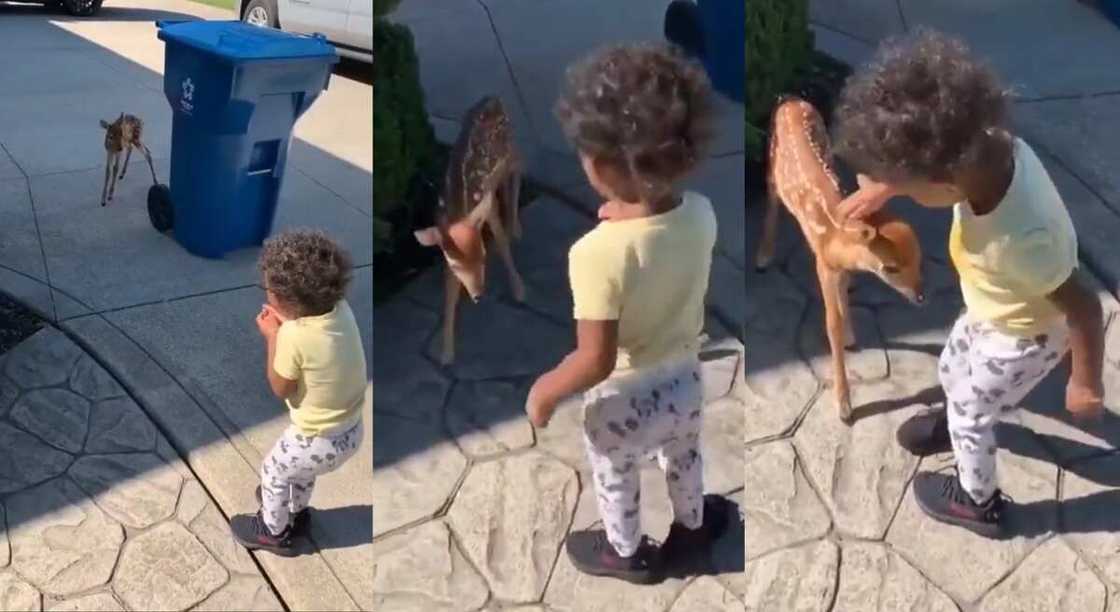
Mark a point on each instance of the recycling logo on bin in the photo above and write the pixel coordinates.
(186, 103)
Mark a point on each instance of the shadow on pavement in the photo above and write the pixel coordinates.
(357, 515)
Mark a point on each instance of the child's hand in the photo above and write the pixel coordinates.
(1085, 401)
(610, 211)
(539, 411)
(268, 323)
(868, 199)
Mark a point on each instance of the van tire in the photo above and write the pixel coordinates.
(261, 12)
(81, 8)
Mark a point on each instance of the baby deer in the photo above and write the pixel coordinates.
(122, 135)
(480, 190)
(801, 177)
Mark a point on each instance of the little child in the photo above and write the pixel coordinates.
(639, 117)
(317, 366)
(927, 121)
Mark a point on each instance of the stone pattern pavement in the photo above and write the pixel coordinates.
(99, 511)
(832, 520)
(471, 504)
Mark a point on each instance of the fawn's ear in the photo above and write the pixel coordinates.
(481, 212)
(861, 232)
(429, 236)
(104, 124)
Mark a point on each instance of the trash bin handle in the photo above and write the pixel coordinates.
(161, 23)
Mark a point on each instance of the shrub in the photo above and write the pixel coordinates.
(779, 51)
(405, 140)
(382, 8)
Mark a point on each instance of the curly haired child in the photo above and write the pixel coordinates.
(928, 121)
(639, 117)
(317, 366)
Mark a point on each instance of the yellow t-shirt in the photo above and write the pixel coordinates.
(324, 354)
(651, 275)
(1012, 258)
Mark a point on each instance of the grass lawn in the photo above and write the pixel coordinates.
(226, 4)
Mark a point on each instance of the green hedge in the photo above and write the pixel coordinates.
(779, 51)
(405, 140)
(382, 8)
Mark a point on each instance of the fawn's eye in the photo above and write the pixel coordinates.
(890, 269)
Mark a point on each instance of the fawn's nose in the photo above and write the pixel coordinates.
(919, 298)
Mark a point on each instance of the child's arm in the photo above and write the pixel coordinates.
(1085, 393)
(590, 364)
(268, 323)
(282, 387)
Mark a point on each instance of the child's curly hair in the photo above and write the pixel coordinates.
(641, 107)
(919, 110)
(306, 270)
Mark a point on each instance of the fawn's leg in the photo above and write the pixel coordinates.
(766, 245)
(514, 203)
(113, 178)
(452, 290)
(148, 156)
(108, 168)
(501, 239)
(834, 326)
(844, 281)
(127, 157)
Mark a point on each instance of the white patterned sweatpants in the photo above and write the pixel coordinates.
(627, 419)
(289, 471)
(985, 374)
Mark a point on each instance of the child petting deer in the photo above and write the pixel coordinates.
(927, 120)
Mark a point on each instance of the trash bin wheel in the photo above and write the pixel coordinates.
(160, 211)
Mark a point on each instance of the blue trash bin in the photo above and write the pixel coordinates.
(725, 34)
(236, 91)
(714, 31)
(1112, 9)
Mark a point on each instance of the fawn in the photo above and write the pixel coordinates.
(122, 135)
(801, 176)
(480, 190)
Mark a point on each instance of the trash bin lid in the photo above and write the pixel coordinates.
(237, 41)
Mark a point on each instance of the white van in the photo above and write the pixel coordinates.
(347, 24)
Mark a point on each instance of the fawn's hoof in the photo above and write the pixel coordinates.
(447, 358)
(518, 292)
(844, 410)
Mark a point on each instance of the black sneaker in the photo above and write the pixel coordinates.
(250, 531)
(301, 522)
(941, 496)
(926, 433)
(591, 553)
(684, 544)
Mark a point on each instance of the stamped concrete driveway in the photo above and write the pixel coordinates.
(175, 329)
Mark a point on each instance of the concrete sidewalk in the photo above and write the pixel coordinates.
(833, 521)
(473, 505)
(176, 330)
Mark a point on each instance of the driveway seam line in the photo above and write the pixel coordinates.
(333, 192)
(92, 312)
(836, 30)
(38, 232)
(512, 75)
